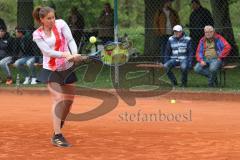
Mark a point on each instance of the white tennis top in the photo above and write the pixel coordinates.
(61, 40)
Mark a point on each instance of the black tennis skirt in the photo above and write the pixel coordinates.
(61, 77)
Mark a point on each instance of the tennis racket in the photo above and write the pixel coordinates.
(114, 53)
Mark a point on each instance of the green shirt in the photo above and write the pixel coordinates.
(210, 51)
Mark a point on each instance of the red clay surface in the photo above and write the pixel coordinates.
(211, 130)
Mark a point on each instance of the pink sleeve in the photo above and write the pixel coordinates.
(67, 35)
(37, 35)
(43, 46)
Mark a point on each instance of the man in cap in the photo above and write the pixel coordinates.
(178, 53)
(6, 51)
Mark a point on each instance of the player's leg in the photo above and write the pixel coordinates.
(58, 109)
(69, 92)
(54, 89)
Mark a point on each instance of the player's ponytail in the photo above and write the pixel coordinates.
(35, 14)
(40, 12)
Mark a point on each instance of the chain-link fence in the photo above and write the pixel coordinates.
(148, 24)
(145, 23)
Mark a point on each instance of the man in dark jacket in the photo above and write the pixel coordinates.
(6, 46)
(2, 24)
(25, 52)
(178, 53)
(199, 18)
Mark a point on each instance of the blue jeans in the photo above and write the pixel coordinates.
(184, 70)
(4, 66)
(29, 61)
(210, 70)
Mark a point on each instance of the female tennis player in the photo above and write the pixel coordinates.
(59, 50)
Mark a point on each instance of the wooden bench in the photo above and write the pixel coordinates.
(38, 64)
(35, 64)
(151, 67)
(222, 73)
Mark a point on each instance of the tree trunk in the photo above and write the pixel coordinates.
(127, 12)
(151, 6)
(24, 14)
(223, 25)
(177, 5)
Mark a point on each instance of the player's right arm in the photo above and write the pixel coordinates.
(47, 51)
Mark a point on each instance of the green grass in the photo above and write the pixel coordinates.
(196, 82)
(136, 34)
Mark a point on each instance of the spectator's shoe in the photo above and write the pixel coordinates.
(34, 81)
(9, 81)
(27, 80)
(59, 141)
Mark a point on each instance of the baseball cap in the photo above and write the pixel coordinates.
(177, 28)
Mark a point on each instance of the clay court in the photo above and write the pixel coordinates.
(210, 129)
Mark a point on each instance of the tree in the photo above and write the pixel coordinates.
(223, 25)
(8, 12)
(220, 10)
(24, 13)
(151, 6)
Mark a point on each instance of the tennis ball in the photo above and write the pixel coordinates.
(92, 39)
(173, 101)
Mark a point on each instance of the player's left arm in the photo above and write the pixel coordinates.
(71, 43)
(68, 36)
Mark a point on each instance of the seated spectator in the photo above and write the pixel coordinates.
(6, 45)
(26, 56)
(212, 49)
(178, 52)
